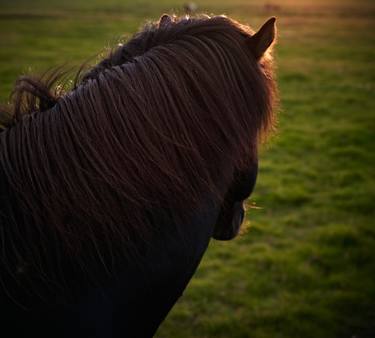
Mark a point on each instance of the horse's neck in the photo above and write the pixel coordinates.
(138, 299)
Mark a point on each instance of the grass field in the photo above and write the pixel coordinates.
(306, 265)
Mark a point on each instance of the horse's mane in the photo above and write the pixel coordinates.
(161, 122)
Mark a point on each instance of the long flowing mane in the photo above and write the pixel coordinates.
(161, 122)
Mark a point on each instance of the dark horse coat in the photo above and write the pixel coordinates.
(137, 301)
(110, 193)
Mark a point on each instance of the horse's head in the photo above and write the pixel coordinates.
(232, 212)
(244, 89)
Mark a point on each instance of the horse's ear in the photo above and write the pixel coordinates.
(165, 20)
(263, 39)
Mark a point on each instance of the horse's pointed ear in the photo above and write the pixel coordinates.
(165, 20)
(263, 39)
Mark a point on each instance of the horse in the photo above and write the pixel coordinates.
(111, 190)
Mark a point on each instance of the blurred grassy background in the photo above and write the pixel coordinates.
(306, 265)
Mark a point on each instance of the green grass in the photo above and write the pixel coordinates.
(305, 266)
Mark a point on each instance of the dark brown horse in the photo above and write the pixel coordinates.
(111, 191)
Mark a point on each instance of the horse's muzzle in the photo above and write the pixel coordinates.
(228, 227)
